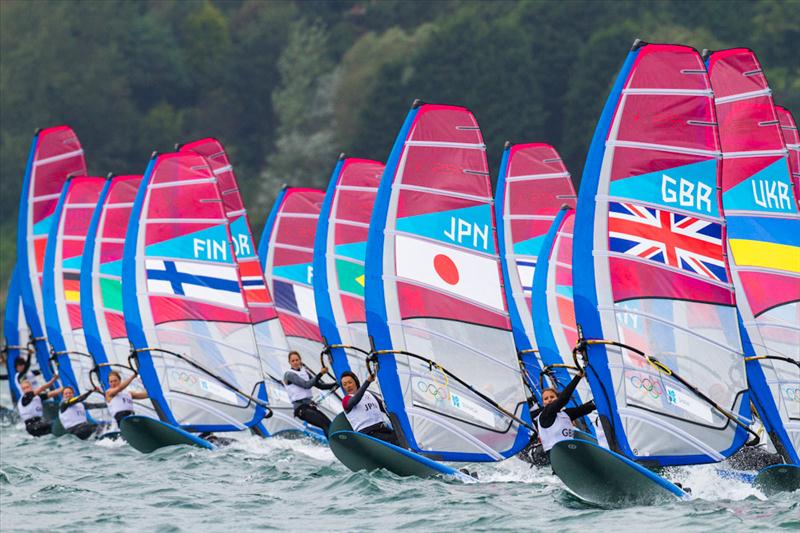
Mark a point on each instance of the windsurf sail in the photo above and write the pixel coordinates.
(55, 154)
(763, 227)
(791, 137)
(649, 237)
(183, 301)
(339, 253)
(16, 339)
(270, 338)
(61, 283)
(101, 285)
(435, 304)
(532, 186)
(286, 253)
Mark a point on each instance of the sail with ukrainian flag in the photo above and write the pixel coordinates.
(791, 137)
(61, 282)
(763, 240)
(55, 155)
(270, 337)
(184, 305)
(649, 236)
(435, 303)
(339, 253)
(532, 186)
(286, 253)
(101, 284)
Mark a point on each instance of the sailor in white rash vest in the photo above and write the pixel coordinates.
(72, 413)
(299, 383)
(120, 400)
(31, 409)
(364, 410)
(554, 420)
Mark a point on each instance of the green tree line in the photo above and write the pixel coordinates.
(288, 85)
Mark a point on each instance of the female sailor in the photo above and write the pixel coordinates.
(31, 409)
(299, 383)
(554, 420)
(72, 413)
(120, 400)
(364, 410)
(22, 371)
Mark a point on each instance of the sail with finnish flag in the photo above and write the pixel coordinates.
(183, 301)
(532, 186)
(55, 154)
(339, 253)
(649, 236)
(101, 284)
(286, 253)
(270, 337)
(435, 302)
(61, 281)
(763, 238)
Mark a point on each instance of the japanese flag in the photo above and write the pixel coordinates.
(471, 276)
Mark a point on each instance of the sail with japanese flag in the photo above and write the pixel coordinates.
(61, 281)
(532, 186)
(16, 334)
(270, 338)
(791, 137)
(435, 302)
(183, 301)
(286, 252)
(339, 253)
(101, 284)
(763, 240)
(649, 238)
(55, 155)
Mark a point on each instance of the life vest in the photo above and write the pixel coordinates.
(560, 430)
(32, 410)
(123, 401)
(365, 413)
(295, 392)
(73, 415)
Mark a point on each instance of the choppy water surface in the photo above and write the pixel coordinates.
(298, 485)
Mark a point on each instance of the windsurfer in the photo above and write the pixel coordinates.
(72, 413)
(119, 400)
(22, 369)
(364, 410)
(31, 409)
(553, 419)
(299, 382)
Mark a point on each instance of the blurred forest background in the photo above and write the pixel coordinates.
(288, 85)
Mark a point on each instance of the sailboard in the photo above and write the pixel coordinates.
(270, 337)
(16, 338)
(435, 304)
(763, 231)
(55, 154)
(61, 284)
(791, 137)
(532, 186)
(286, 252)
(101, 286)
(184, 305)
(653, 294)
(339, 252)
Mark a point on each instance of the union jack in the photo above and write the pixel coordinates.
(678, 241)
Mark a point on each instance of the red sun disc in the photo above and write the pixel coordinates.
(446, 269)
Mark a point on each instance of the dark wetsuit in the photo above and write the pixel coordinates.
(306, 409)
(85, 429)
(380, 430)
(547, 414)
(36, 426)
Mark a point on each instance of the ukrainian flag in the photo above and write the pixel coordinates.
(769, 243)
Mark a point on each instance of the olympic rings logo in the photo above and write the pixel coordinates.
(792, 394)
(651, 387)
(438, 392)
(184, 378)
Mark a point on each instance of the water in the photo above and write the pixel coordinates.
(298, 485)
